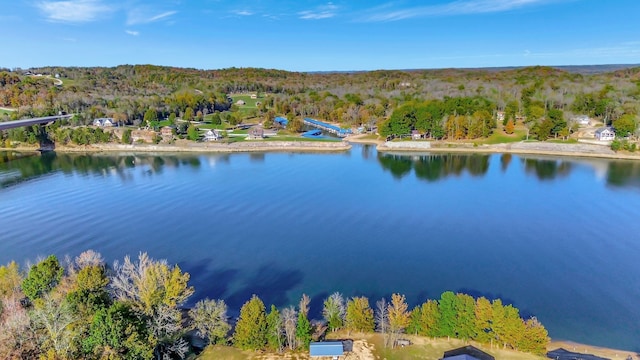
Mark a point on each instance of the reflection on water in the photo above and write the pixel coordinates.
(15, 168)
(434, 167)
(279, 224)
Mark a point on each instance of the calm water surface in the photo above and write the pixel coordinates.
(558, 238)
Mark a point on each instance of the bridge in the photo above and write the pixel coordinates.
(45, 143)
(28, 122)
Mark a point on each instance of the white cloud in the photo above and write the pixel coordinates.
(458, 7)
(132, 33)
(321, 12)
(74, 11)
(145, 16)
(243, 13)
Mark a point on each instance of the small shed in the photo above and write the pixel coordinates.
(415, 135)
(605, 134)
(329, 349)
(256, 133)
(103, 122)
(467, 353)
(240, 102)
(582, 120)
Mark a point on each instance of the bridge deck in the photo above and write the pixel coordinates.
(28, 122)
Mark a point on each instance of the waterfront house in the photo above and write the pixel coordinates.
(256, 133)
(467, 353)
(500, 116)
(415, 135)
(605, 134)
(212, 135)
(326, 349)
(103, 122)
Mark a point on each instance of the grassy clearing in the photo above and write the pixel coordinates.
(499, 137)
(421, 348)
(223, 353)
(249, 102)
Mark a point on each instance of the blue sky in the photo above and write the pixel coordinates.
(310, 35)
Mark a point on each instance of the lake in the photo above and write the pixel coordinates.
(556, 237)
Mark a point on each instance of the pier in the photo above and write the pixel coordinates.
(327, 127)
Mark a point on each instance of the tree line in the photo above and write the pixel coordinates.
(81, 308)
(543, 99)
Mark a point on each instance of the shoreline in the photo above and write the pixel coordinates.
(577, 150)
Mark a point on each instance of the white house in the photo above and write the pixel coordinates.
(605, 134)
(212, 135)
(103, 122)
(583, 120)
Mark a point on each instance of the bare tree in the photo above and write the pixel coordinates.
(17, 338)
(209, 318)
(289, 321)
(382, 316)
(304, 304)
(54, 320)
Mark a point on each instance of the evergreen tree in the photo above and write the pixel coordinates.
(126, 136)
(275, 336)
(251, 328)
(303, 331)
(42, 277)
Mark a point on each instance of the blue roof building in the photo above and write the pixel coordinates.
(331, 349)
(281, 121)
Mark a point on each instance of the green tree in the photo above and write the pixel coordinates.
(126, 136)
(150, 116)
(90, 293)
(447, 306)
(251, 328)
(188, 114)
(626, 125)
(334, 311)
(209, 318)
(117, 333)
(427, 320)
(215, 119)
(359, 315)
(192, 133)
(465, 317)
(275, 330)
(303, 331)
(172, 118)
(483, 315)
(42, 277)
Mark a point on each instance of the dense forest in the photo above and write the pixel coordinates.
(81, 308)
(446, 104)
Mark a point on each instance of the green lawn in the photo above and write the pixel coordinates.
(5, 112)
(500, 138)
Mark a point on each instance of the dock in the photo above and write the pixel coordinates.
(341, 132)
